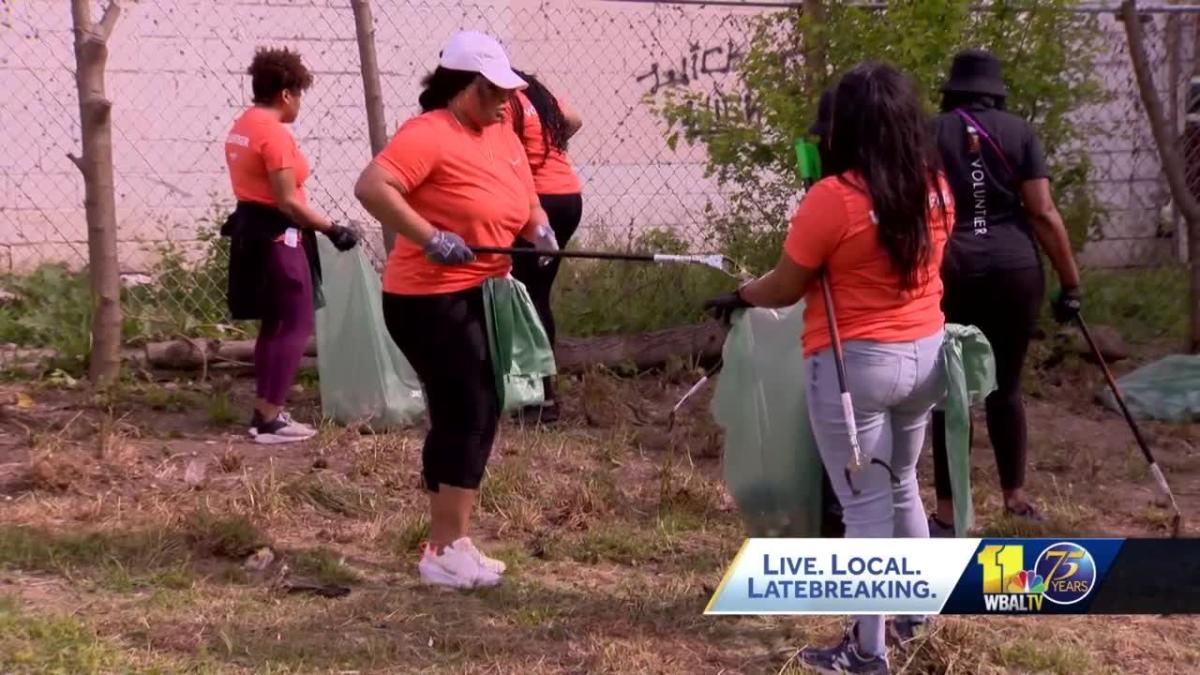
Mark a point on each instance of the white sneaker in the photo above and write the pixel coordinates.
(456, 567)
(282, 429)
(295, 428)
(491, 564)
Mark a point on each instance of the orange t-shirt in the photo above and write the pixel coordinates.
(475, 184)
(257, 145)
(833, 229)
(552, 172)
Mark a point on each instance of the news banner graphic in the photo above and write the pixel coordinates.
(962, 576)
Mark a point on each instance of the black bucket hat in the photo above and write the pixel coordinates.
(820, 127)
(975, 71)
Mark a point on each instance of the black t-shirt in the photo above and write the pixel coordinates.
(991, 229)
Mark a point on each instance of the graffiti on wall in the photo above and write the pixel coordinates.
(703, 70)
(698, 63)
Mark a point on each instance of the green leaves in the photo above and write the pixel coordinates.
(1048, 55)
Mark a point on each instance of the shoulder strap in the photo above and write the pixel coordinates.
(970, 119)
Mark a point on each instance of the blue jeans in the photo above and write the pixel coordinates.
(894, 387)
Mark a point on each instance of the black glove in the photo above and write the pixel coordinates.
(1066, 304)
(722, 307)
(343, 238)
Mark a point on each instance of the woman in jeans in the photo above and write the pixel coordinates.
(454, 176)
(875, 230)
(546, 125)
(993, 272)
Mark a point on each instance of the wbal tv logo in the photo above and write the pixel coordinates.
(1063, 573)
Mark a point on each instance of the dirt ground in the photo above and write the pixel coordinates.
(133, 527)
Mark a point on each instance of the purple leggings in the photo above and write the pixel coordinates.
(287, 322)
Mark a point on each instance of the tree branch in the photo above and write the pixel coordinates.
(77, 161)
(108, 21)
(1168, 151)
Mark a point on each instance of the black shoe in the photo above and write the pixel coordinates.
(1025, 512)
(538, 415)
(844, 658)
(940, 530)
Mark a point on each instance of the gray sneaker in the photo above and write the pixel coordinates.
(844, 658)
(904, 629)
(940, 530)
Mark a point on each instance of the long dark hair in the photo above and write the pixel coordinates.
(958, 99)
(442, 85)
(880, 132)
(555, 132)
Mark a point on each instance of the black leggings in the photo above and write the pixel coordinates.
(565, 212)
(444, 337)
(1004, 305)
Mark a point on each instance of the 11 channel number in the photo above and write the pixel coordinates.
(999, 564)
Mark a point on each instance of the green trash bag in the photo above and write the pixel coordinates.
(970, 377)
(770, 463)
(1167, 390)
(364, 377)
(520, 349)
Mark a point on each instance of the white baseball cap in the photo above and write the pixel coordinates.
(476, 52)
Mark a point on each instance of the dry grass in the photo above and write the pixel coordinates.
(615, 534)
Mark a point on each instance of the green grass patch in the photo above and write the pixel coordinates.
(600, 297)
(230, 536)
(1043, 656)
(324, 566)
(121, 561)
(40, 644)
(333, 494)
(1142, 304)
(221, 410)
(616, 542)
(403, 540)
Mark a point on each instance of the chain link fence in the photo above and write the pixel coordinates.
(176, 76)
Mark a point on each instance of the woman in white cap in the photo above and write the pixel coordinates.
(451, 178)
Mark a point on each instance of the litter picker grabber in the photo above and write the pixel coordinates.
(808, 165)
(856, 455)
(714, 261)
(1155, 470)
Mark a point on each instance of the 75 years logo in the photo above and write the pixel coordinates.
(1062, 573)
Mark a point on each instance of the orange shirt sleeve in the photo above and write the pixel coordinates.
(818, 225)
(413, 152)
(278, 149)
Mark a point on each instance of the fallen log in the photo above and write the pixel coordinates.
(641, 351)
(193, 354)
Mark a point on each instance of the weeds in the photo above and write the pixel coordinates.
(333, 495)
(221, 410)
(324, 567)
(226, 536)
(404, 539)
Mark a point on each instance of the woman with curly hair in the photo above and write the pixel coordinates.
(273, 249)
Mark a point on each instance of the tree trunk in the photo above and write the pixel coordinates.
(1172, 162)
(815, 59)
(364, 29)
(96, 165)
(641, 351)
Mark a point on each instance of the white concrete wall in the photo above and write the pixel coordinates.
(176, 77)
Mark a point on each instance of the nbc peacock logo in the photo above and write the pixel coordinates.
(1027, 581)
